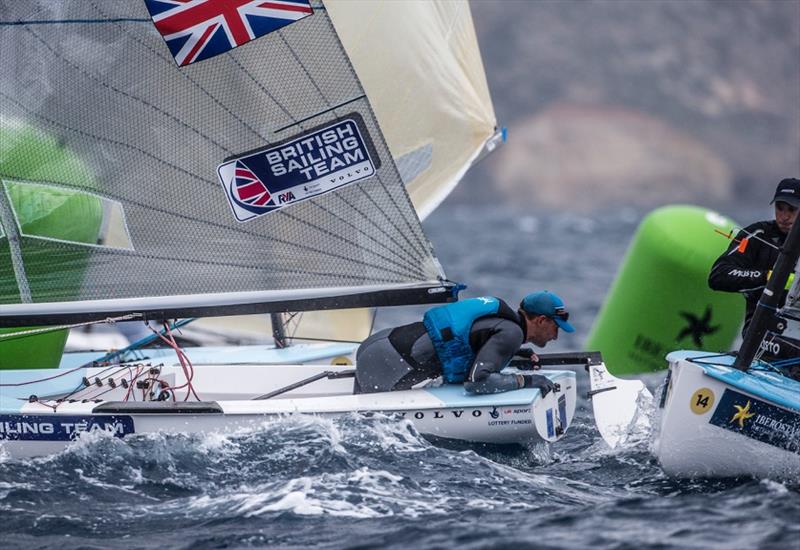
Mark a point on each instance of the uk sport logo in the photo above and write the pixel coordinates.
(198, 29)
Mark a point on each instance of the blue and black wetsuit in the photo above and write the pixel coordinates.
(399, 358)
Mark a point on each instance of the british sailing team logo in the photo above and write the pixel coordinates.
(248, 188)
(310, 164)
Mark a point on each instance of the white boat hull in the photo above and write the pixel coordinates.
(227, 403)
(712, 428)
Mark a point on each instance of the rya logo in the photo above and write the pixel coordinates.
(286, 197)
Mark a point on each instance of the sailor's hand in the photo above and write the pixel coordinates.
(530, 360)
(527, 353)
(542, 383)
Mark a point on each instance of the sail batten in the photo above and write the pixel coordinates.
(259, 170)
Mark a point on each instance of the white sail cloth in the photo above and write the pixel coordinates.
(419, 62)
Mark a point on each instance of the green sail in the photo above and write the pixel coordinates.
(35, 172)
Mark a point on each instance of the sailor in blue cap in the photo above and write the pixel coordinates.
(467, 342)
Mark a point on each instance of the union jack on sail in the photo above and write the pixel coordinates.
(198, 29)
(248, 188)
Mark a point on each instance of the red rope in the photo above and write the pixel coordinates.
(186, 364)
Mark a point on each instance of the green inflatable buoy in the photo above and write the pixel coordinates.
(32, 165)
(660, 300)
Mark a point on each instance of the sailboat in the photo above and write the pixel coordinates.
(432, 102)
(222, 164)
(737, 414)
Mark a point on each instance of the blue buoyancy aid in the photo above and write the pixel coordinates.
(449, 327)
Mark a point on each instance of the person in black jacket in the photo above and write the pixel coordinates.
(467, 342)
(747, 263)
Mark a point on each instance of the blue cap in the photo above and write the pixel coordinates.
(549, 304)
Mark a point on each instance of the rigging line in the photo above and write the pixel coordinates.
(320, 113)
(402, 276)
(410, 254)
(8, 220)
(289, 319)
(749, 236)
(297, 60)
(133, 378)
(263, 89)
(28, 382)
(150, 207)
(414, 247)
(188, 371)
(185, 74)
(309, 339)
(423, 245)
(30, 332)
(100, 391)
(351, 260)
(74, 21)
(289, 244)
(81, 387)
(101, 139)
(389, 260)
(127, 95)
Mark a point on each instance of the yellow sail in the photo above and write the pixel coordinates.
(421, 67)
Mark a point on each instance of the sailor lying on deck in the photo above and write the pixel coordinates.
(465, 342)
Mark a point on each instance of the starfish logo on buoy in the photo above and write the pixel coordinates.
(697, 327)
(742, 414)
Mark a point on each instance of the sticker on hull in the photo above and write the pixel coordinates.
(701, 401)
(758, 420)
(26, 427)
(562, 410)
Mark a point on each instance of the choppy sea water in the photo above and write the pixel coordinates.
(362, 482)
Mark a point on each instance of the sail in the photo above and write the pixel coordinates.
(420, 63)
(94, 107)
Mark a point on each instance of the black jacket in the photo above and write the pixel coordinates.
(744, 268)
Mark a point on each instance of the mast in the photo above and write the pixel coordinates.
(278, 332)
(770, 299)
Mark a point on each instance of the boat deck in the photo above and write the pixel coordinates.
(765, 384)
